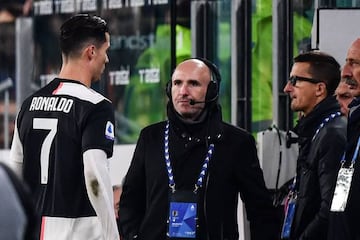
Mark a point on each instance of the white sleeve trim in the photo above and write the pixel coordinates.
(16, 153)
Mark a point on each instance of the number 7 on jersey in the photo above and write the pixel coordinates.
(45, 124)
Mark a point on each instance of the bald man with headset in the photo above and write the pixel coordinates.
(187, 171)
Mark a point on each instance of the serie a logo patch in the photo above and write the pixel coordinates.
(109, 131)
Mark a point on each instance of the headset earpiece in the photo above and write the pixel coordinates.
(213, 89)
(168, 89)
(212, 92)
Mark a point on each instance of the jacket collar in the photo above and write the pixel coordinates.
(206, 128)
(307, 125)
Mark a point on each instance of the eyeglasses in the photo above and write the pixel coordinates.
(294, 79)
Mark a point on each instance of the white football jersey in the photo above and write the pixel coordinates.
(54, 127)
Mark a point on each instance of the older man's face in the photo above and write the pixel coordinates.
(351, 68)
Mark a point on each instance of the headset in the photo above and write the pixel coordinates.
(212, 93)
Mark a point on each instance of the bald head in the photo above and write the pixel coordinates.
(195, 64)
(356, 43)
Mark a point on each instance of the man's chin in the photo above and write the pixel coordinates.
(294, 108)
(96, 79)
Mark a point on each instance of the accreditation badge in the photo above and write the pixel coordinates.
(182, 221)
(341, 193)
(289, 216)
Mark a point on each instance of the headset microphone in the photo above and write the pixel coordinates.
(193, 102)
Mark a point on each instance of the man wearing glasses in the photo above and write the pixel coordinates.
(322, 137)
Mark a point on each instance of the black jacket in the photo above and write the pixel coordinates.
(345, 225)
(317, 166)
(233, 169)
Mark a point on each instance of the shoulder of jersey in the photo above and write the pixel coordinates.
(79, 91)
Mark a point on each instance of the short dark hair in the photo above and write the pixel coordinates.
(82, 29)
(323, 67)
(15, 7)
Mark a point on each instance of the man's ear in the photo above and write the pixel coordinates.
(90, 51)
(321, 89)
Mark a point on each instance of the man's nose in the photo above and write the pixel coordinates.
(184, 89)
(288, 87)
(346, 71)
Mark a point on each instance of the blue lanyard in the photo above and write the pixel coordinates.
(331, 117)
(325, 121)
(353, 159)
(168, 164)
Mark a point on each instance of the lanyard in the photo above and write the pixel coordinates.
(325, 121)
(332, 116)
(353, 159)
(204, 168)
